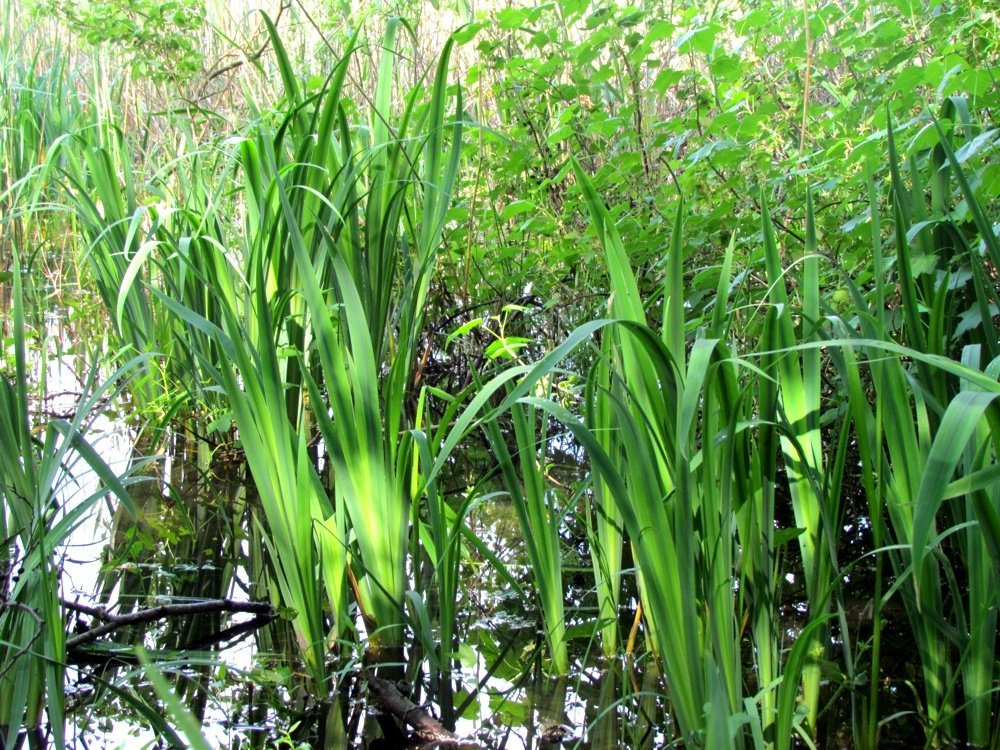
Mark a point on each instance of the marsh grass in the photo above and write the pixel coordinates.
(689, 495)
(671, 490)
(605, 530)
(36, 478)
(813, 480)
(934, 419)
(349, 225)
(539, 516)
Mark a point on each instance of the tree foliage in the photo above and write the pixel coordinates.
(161, 40)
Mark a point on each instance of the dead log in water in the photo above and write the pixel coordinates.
(425, 727)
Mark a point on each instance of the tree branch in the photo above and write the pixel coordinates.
(111, 623)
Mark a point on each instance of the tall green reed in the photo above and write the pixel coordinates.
(36, 476)
(698, 466)
(145, 237)
(924, 423)
(436, 598)
(298, 535)
(605, 531)
(145, 232)
(36, 107)
(119, 234)
(341, 236)
(674, 488)
(814, 485)
(379, 258)
(539, 516)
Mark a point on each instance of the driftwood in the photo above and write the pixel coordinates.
(425, 727)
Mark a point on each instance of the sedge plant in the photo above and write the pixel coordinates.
(539, 517)
(674, 488)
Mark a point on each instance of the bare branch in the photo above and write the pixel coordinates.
(111, 622)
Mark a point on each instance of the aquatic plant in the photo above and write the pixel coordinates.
(39, 512)
(925, 422)
(369, 263)
(539, 516)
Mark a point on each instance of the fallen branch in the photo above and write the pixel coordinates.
(228, 634)
(427, 729)
(111, 623)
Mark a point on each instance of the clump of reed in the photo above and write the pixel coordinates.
(342, 227)
(40, 460)
(692, 443)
